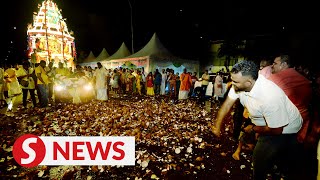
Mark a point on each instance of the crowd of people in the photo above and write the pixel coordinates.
(36, 82)
(278, 101)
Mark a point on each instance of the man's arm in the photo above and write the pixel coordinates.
(263, 130)
(224, 110)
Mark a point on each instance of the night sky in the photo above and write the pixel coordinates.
(184, 27)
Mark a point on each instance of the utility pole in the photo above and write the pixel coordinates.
(132, 49)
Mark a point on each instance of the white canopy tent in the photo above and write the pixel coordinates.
(88, 60)
(153, 56)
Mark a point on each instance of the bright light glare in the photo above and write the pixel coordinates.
(59, 88)
(88, 87)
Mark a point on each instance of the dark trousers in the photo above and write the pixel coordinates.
(38, 92)
(270, 150)
(203, 92)
(237, 119)
(44, 95)
(25, 96)
(6, 94)
(157, 88)
(50, 86)
(143, 88)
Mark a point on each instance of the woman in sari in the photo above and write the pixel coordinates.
(150, 90)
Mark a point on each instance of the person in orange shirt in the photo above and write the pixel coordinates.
(185, 85)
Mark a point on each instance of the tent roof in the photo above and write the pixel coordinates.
(153, 47)
(90, 58)
(122, 52)
(103, 55)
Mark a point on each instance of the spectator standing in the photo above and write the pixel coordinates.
(42, 82)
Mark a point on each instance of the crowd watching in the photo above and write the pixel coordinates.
(295, 86)
(41, 78)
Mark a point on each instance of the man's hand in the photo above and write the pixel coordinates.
(215, 131)
(248, 129)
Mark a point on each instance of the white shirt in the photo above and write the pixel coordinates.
(101, 79)
(143, 76)
(197, 84)
(269, 105)
(164, 78)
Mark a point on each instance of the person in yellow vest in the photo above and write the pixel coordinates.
(12, 87)
(62, 70)
(13, 84)
(25, 75)
(42, 83)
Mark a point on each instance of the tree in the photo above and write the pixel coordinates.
(231, 48)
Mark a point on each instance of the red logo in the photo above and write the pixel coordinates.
(29, 150)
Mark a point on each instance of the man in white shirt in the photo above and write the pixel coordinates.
(163, 82)
(100, 76)
(276, 119)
